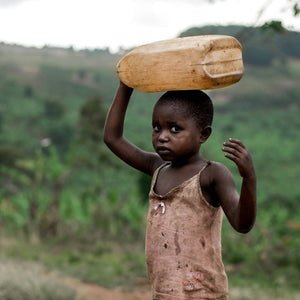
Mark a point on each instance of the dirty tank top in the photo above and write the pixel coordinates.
(183, 244)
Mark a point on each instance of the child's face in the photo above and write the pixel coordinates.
(175, 136)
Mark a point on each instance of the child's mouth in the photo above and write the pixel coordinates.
(163, 150)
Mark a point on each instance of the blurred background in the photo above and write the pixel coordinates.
(70, 209)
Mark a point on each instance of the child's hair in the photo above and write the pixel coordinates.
(194, 103)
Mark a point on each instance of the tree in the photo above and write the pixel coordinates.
(90, 133)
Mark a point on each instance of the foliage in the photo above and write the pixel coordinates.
(90, 151)
(274, 25)
(296, 9)
(29, 282)
(260, 45)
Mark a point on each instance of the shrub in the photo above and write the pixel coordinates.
(28, 281)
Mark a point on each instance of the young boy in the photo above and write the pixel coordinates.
(188, 194)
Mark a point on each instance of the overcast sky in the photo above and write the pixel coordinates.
(125, 23)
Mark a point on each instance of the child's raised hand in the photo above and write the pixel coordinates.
(238, 153)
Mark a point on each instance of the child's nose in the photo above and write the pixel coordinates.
(164, 136)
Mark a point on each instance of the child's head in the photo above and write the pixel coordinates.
(193, 104)
(181, 122)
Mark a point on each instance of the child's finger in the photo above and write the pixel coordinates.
(231, 152)
(234, 158)
(232, 148)
(238, 142)
(237, 145)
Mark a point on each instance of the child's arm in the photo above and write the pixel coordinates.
(113, 135)
(240, 210)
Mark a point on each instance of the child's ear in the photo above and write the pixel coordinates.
(205, 133)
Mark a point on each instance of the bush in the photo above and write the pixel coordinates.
(29, 281)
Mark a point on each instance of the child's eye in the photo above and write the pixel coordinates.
(156, 127)
(175, 129)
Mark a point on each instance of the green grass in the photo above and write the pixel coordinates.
(111, 265)
(30, 281)
(108, 264)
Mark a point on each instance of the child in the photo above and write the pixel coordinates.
(188, 194)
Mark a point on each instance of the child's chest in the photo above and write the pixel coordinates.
(169, 179)
(164, 184)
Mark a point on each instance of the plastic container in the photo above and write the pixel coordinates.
(198, 62)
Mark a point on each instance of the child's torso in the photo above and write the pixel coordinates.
(183, 247)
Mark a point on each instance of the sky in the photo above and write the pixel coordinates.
(115, 24)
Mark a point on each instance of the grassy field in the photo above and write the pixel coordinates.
(35, 270)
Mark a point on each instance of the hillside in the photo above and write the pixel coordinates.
(55, 169)
(260, 46)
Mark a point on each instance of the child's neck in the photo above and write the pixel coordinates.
(187, 161)
(176, 173)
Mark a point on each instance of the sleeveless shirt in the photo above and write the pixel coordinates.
(183, 244)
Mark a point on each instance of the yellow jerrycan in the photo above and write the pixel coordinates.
(189, 63)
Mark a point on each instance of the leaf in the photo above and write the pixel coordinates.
(296, 9)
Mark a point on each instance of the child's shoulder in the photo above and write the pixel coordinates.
(216, 171)
(211, 180)
(215, 182)
(216, 166)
